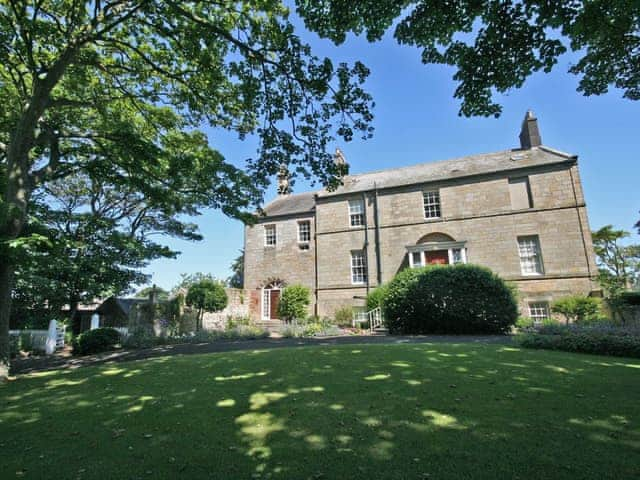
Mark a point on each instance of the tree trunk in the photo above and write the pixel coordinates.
(19, 186)
(6, 274)
(15, 201)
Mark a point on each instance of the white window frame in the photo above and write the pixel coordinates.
(358, 269)
(531, 264)
(307, 225)
(266, 304)
(356, 212)
(431, 204)
(539, 311)
(450, 247)
(266, 298)
(268, 237)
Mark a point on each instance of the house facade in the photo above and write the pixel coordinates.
(520, 212)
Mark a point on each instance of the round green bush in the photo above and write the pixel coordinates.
(452, 299)
(96, 341)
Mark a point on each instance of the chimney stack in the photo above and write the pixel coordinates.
(153, 294)
(340, 161)
(530, 134)
(283, 181)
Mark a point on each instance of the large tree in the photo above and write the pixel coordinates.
(97, 237)
(496, 44)
(119, 90)
(237, 267)
(619, 264)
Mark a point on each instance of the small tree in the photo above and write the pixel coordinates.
(206, 295)
(376, 297)
(576, 308)
(294, 303)
(237, 267)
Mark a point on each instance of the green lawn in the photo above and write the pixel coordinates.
(398, 411)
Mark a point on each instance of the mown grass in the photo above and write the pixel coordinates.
(437, 411)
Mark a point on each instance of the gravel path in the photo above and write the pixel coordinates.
(64, 359)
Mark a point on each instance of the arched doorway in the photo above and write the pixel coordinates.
(271, 298)
(436, 248)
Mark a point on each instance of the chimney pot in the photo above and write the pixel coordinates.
(530, 133)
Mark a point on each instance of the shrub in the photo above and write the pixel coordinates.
(233, 322)
(344, 316)
(524, 323)
(586, 342)
(95, 341)
(630, 298)
(577, 308)
(294, 303)
(454, 299)
(376, 297)
(140, 337)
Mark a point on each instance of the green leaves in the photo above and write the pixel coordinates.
(207, 295)
(496, 45)
(294, 303)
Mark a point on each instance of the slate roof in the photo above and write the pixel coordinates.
(124, 304)
(291, 204)
(484, 163)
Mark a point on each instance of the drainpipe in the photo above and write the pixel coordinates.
(377, 234)
(315, 251)
(366, 239)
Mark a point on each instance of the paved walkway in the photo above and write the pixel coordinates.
(66, 360)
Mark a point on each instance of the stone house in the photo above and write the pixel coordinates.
(521, 212)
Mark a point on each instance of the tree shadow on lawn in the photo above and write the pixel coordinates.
(410, 411)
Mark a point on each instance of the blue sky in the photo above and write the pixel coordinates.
(416, 120)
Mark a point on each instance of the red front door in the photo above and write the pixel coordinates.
(274, 300)
(439, 257)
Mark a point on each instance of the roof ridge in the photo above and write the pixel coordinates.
(431, 162)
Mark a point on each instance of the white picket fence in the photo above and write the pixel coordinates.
(47, 341)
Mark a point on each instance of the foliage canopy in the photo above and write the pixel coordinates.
(496, 45)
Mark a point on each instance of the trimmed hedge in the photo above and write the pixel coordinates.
(96, 341)
(452, 299)
(597, 343)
